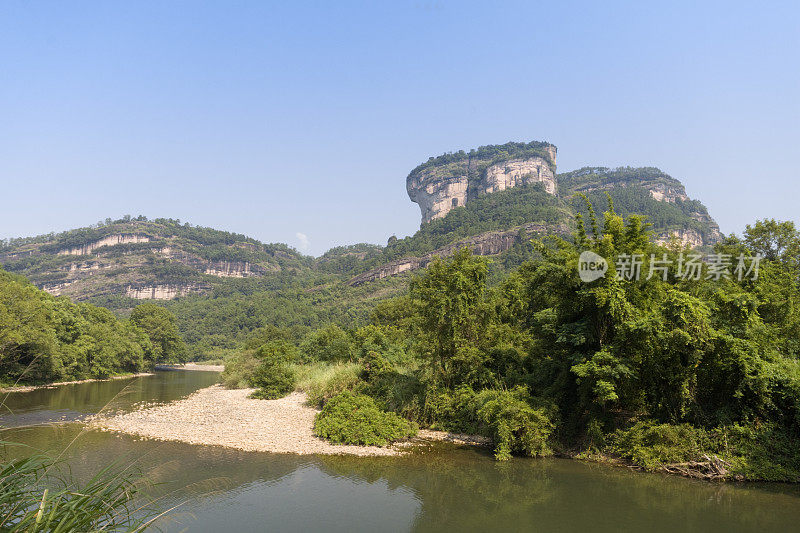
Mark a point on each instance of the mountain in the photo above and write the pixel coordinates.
(142, 259)
(222, 285)
(646, 191)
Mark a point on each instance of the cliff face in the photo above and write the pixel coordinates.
(451, 180)
(162, 292)
(110, 240)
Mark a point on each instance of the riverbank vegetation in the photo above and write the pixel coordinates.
(44, 339)
(661, 371)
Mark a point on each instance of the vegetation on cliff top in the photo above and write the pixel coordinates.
(492, 153)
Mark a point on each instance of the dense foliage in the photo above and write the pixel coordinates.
(350, 418)
(659, 370)
(273, 377)
(45, 339)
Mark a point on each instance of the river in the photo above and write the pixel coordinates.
(445, 487)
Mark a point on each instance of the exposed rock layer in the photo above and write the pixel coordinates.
(440, 187)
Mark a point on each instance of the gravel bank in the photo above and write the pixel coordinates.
(192, 366)
(216, 416)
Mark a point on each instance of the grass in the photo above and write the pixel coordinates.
(36, 496)
(322, 381)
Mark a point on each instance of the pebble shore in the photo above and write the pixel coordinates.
(216, 416)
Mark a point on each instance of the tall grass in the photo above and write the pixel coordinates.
(36, 496)
(322, 381)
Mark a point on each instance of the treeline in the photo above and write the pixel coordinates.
(45, 339)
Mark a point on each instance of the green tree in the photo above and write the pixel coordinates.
(159, 326)
(449, 296)
(330, 343)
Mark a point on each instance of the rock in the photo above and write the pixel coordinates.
(451, 180)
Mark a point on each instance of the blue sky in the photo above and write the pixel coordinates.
(279, 119)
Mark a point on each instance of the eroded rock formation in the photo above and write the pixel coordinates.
(162, 292)
(451, 180)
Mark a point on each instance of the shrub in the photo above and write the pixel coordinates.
(513, 425)
(351, 418)
(505, 416)
(273, 377)
(650, 445)
(330, 343)
(273, 381)
(239, 368)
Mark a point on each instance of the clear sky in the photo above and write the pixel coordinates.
(291, 119)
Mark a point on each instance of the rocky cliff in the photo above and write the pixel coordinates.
(646, 191)
(451, 180)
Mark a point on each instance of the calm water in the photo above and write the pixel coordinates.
(445, 488)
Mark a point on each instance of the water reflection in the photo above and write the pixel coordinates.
(443, 488)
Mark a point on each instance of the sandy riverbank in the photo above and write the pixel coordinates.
(28, 388)
(216, 416)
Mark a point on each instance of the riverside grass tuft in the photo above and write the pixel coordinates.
(35, 496)
(322, 381)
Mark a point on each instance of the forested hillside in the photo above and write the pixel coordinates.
(143, 259)
(222, 286)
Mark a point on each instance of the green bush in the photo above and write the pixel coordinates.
(513, 425)
(274, 378)
(351, 418)
(650, 445)
(330, 343)
(239, 368)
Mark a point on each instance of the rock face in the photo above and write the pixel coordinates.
(110, 240)
(489, 243)
(451, 180)
(684, 237)
(162, 292)
(698, 228)
(666, 193)
(233, 269)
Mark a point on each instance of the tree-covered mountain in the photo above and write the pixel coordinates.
(223, 285)
(143, 259)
